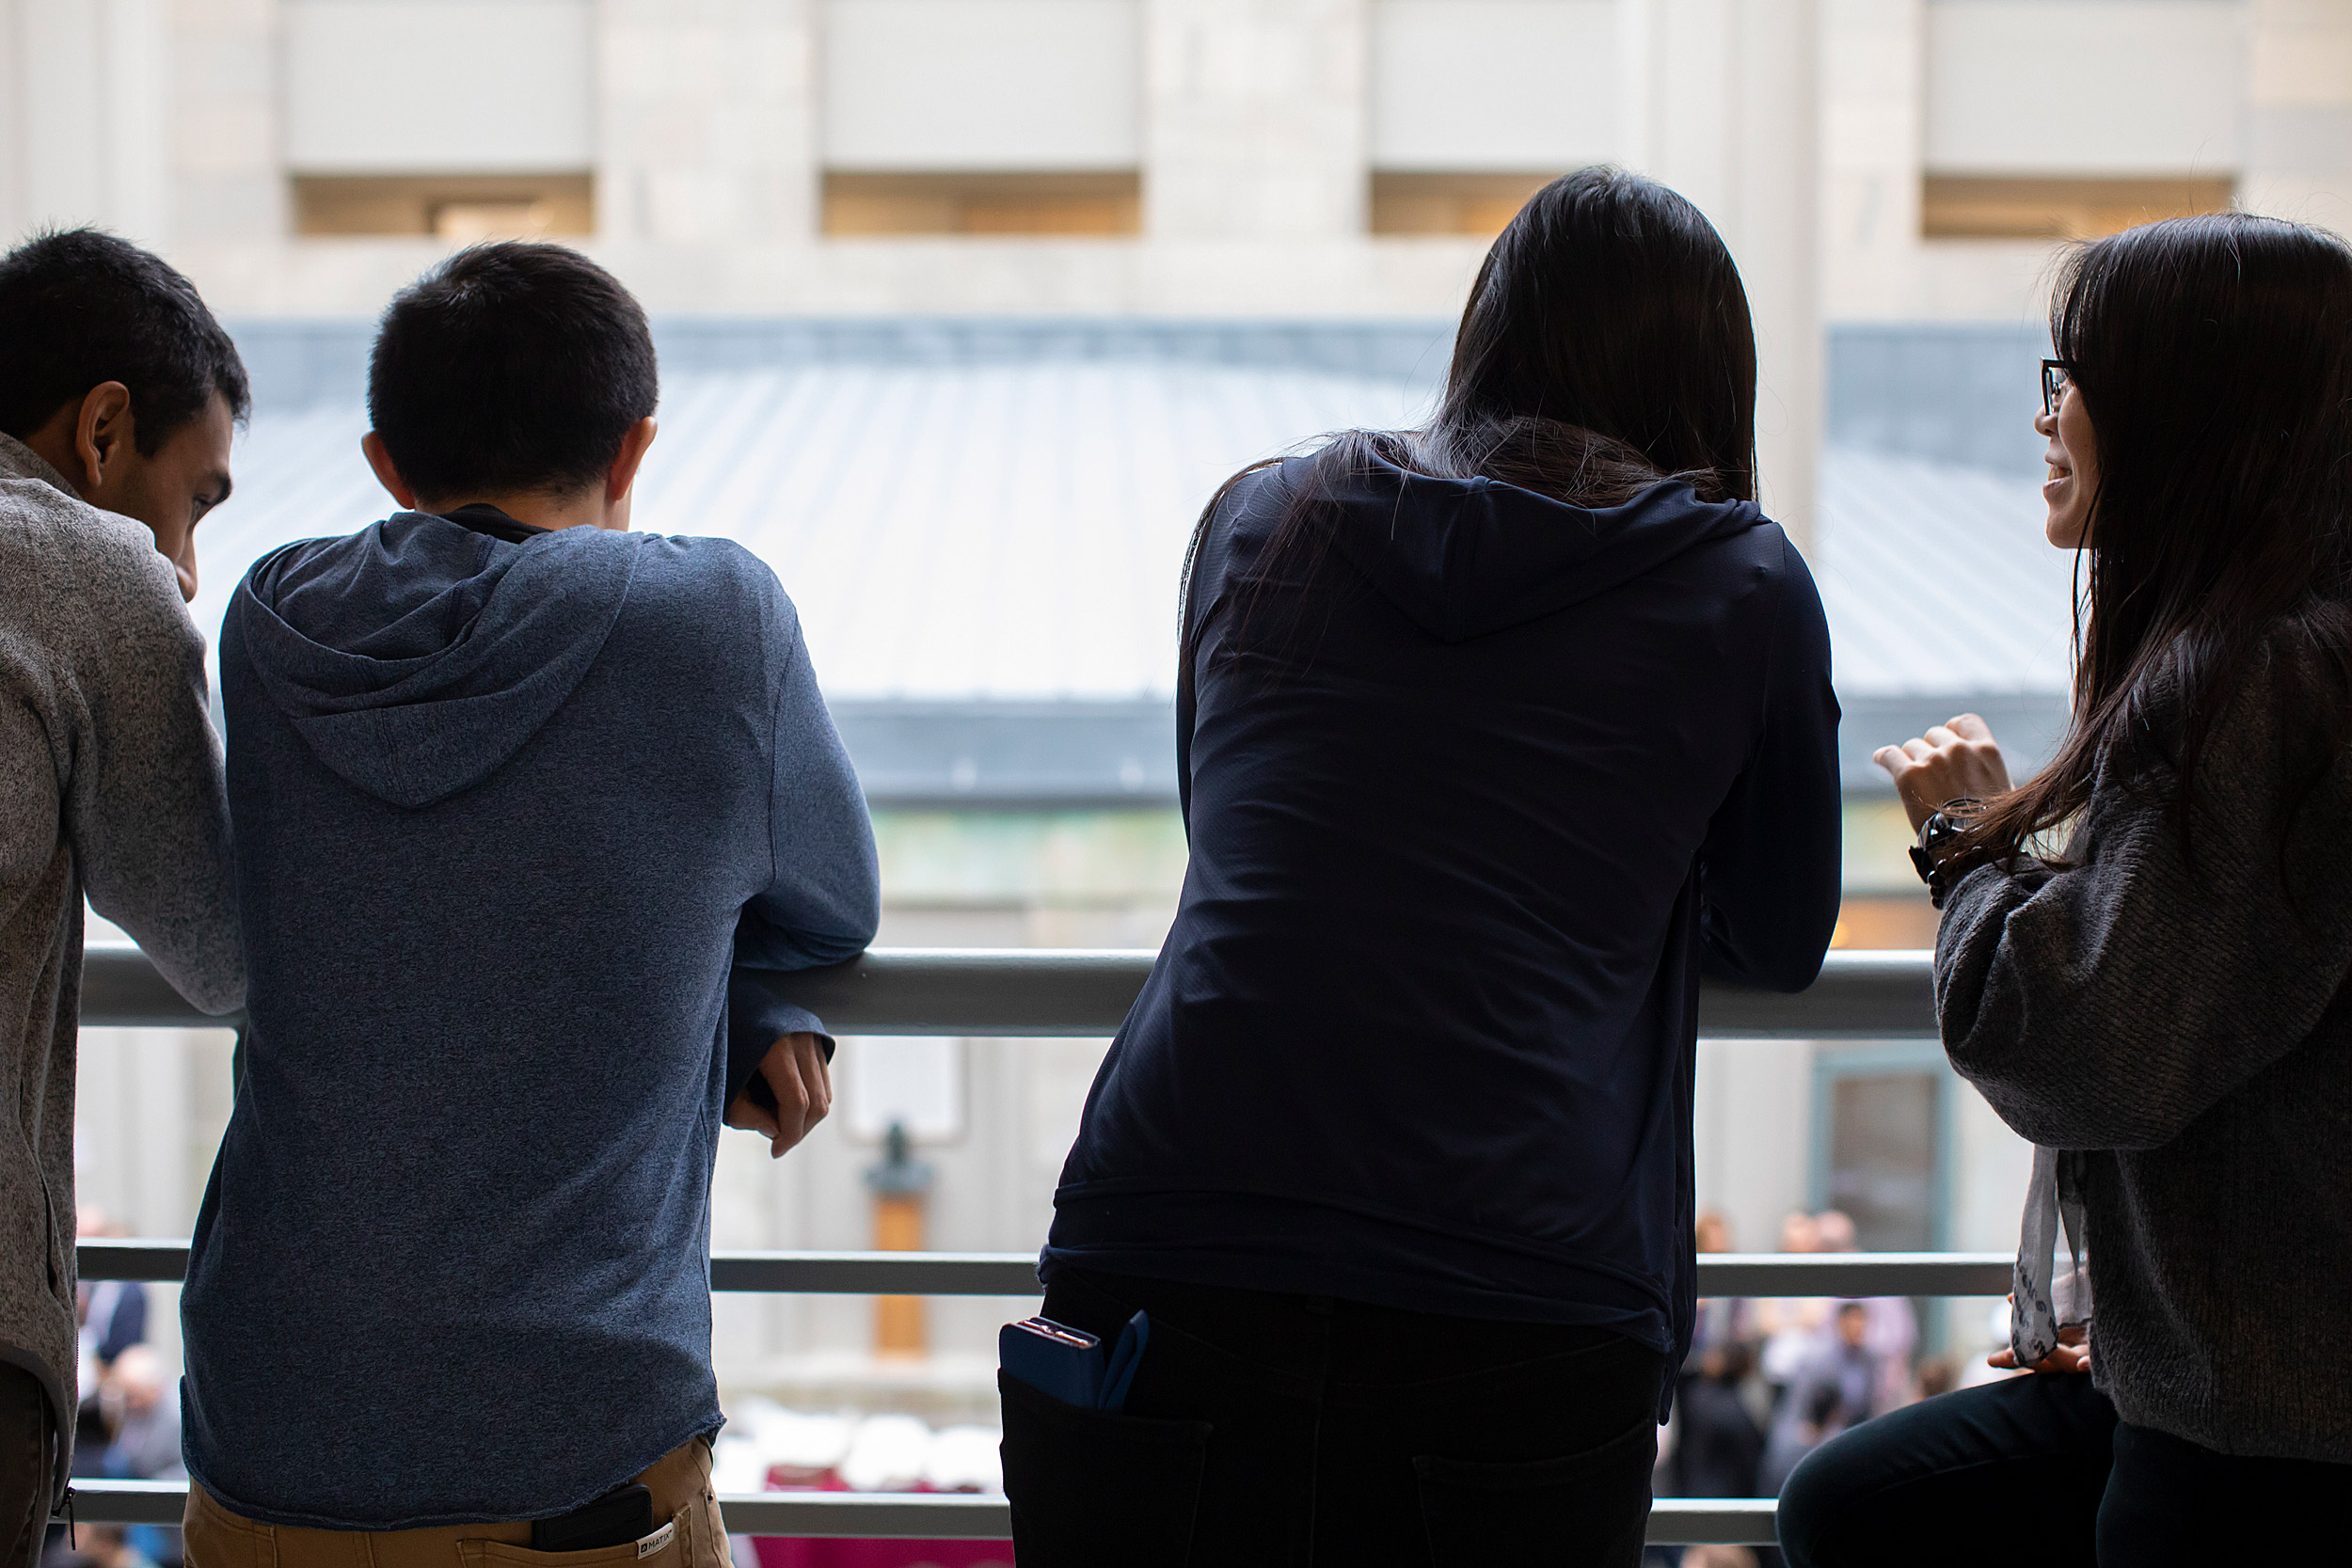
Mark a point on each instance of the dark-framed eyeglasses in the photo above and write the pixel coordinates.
(2056, 376)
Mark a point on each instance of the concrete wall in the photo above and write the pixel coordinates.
(1804, 129)
(707, 140)
(1495, 85)
(2259, 91)
(2091, 86)
(412, 87)
(85, 132)
(706, 122)
(1753, 1127)
(1722, 101)
(2299, 137)
(926, 84)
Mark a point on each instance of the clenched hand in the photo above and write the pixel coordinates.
(1951, 762)
(796, 1072)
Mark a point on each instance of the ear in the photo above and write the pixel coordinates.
(623, 473)
(102, 434)
(379, 458)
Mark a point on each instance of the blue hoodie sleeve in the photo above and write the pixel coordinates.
(823, 899)
(1769, 870)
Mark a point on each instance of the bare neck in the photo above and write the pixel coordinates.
(536, 509)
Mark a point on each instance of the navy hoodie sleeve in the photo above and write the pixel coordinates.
(1770, 870)
(823, 899)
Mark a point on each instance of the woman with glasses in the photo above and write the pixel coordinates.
(1493, 734)
(2145, 958)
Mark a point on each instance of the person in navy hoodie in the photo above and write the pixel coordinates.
(1493, 737)
(526, 806)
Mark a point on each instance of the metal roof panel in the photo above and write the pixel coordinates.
(1013, 531)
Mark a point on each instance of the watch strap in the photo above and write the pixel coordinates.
(1941, 872)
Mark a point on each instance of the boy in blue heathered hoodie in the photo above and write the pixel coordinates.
(522, 803)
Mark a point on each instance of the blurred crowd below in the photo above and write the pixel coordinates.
(128, 1426)
(1769, 1380)
(1766, 1381)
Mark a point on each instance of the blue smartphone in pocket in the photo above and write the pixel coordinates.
(1068, 1364)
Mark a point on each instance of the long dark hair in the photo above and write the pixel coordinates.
(1606, 346)
(2214, 356)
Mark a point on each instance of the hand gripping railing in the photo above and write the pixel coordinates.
(1019, 992)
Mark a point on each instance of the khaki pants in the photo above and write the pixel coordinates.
(687, 1533)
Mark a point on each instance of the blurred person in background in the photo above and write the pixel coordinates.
(119, 397)
(1790, 1328)
(1893, 1332)
(141, 1401)
(527, 805)
(1837, 1388)
(2143, 952)
(1718, 1447)
(96, 1546)
(1718, 1321)
(140, 1397)
(1712, 1447)
(1492, 736)
(1716, 1440)
(113, 1312)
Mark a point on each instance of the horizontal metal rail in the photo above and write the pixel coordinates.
(1014, 1273)
(1086, 991)
(1023, 991)
(918, 1516)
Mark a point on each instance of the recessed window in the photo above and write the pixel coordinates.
(1970, 207)
(1449, 203)
(1881, 1143)
(458, 208)
(1093, 202)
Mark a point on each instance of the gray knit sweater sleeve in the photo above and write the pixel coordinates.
(110, 786)
(109, 672)
(2182, 1017)
(147, 811)
(2110, 1004)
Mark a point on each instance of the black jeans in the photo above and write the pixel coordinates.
(1311, 1432)
(28, 1438)
(2037, 1470)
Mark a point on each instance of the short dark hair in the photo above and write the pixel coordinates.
(510, 366)
(79, 307)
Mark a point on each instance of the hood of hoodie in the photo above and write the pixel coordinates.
(416, 657)
(1468, 557)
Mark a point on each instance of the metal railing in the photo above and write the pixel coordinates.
(1038, 992)
(1014, 1273)
(1086, 991)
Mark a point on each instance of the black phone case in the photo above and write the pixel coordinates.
(620, 1516)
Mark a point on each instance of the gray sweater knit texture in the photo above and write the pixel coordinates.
(2184, 1016)
(110, 788)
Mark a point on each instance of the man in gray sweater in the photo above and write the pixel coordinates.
(119, 394)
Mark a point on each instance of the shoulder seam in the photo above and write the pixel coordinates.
(1771, 643)
(775, 724)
